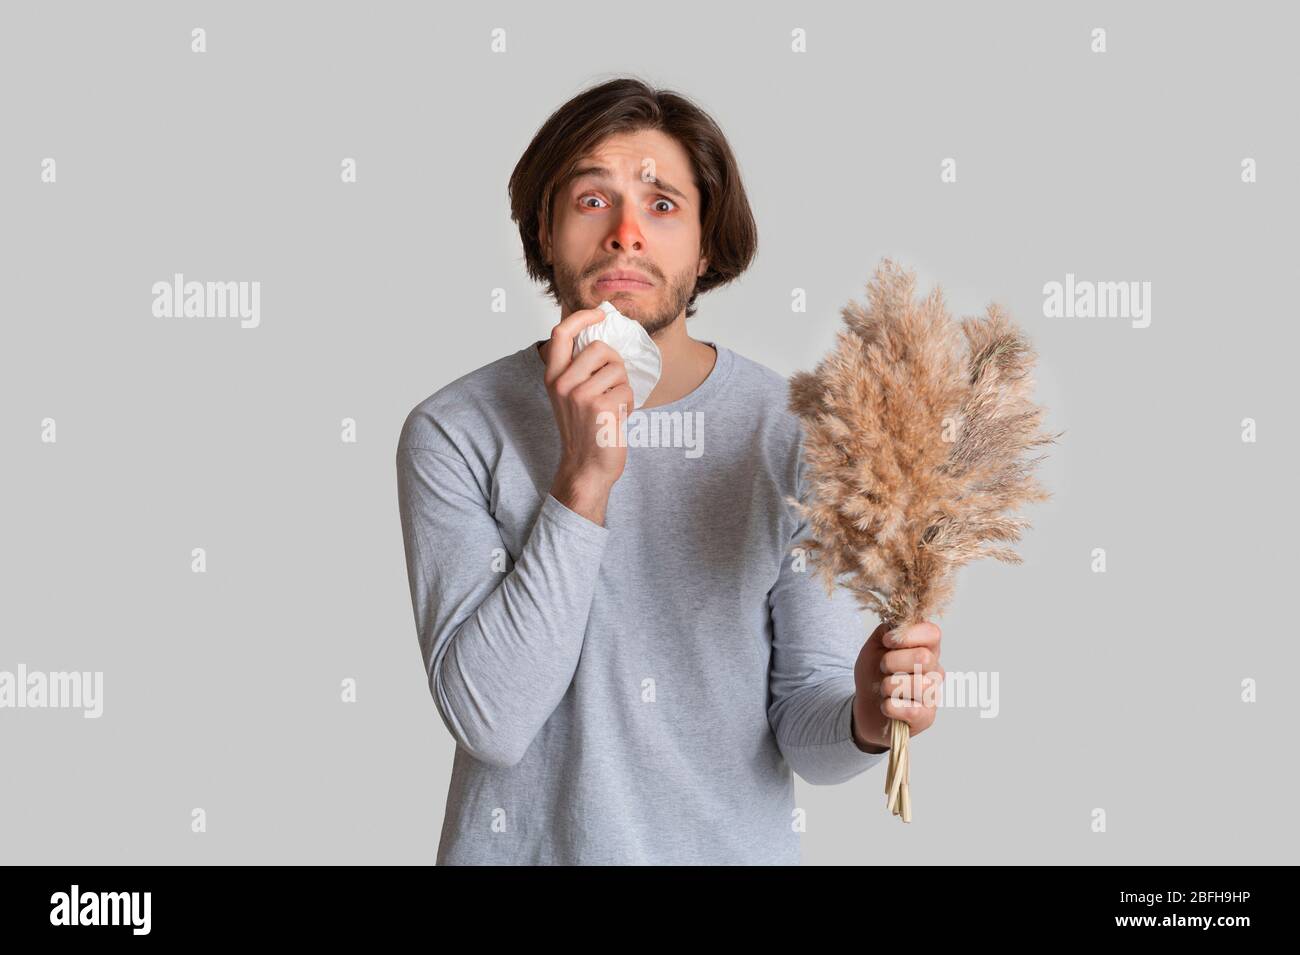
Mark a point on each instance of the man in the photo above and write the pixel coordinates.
(624, 638)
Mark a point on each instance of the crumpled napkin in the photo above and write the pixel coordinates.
(640, 354)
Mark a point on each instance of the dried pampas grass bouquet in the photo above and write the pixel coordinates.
(916, 438)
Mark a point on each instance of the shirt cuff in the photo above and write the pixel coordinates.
(572, 521)
(854, 759)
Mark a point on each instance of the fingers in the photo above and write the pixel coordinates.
(912, 699)
(911, 690)
(906, 661)
(917, 716)
(622, 393)
(609, 376)
(596, 358)
(593, 357)
(923, 634)
(923, 688)
(560, 351)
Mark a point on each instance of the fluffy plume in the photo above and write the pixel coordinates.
(916, 438)
(917, 433)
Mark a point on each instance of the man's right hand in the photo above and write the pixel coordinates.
(586, 394)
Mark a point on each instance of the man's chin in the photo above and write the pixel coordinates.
(626, 303)
(620, 295)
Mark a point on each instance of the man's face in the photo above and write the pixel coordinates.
(641, 215)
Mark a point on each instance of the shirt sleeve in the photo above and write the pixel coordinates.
(815, 644)
(500, 643)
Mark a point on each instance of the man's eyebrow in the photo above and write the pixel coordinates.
(600, 172)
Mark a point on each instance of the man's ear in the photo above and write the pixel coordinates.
(704, 266)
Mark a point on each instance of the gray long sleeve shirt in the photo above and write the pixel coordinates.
(637, 692)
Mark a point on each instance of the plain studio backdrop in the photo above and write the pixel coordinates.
(1118, 691)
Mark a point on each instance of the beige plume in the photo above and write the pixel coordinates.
(917, 439)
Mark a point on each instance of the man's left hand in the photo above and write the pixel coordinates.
(896, 680)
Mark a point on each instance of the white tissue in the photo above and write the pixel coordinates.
(640, 354)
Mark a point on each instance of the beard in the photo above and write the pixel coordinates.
(655, 309)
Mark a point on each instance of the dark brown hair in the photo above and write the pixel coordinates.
(728, 233)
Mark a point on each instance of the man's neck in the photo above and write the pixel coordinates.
(686, 363)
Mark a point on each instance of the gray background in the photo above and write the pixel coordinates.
(1119, 691)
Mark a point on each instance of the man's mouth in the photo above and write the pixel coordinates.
(615, 285)
(622, 280)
